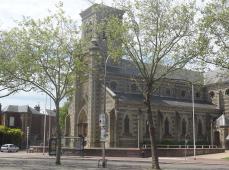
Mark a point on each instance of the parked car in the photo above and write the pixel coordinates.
(9, 148)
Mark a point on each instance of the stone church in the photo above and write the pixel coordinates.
(126, 114)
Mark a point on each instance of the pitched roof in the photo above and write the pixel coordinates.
(165, 101)
(50, 112)
(19, 109)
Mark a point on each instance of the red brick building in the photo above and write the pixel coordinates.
(21, 117)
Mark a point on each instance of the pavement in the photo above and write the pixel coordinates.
(38, 161)
(23, 154)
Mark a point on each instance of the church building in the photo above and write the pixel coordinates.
(122, 98)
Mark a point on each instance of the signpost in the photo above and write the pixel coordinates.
(103, 134)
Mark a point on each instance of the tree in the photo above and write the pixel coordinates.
(159, 38)
(214, 34)
(46, 56)
(63, 114)
(8, 85)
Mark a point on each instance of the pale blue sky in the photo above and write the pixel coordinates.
(11, 10)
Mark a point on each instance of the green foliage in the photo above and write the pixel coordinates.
(3, 130)
(159, 37)
(44, 55)
(214, 34)
(10, 135)
(63, 114)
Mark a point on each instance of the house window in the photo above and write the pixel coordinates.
(113, 85)
(212, 94)
(12, 121)
(126, 125)
(183, 93)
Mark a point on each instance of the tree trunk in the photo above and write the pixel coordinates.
(155, 162)
(58, 134)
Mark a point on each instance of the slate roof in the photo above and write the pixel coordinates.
(127, 67)
(50, 112)
(19, 109)
(165, 101)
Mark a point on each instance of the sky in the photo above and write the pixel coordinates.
(13, 10)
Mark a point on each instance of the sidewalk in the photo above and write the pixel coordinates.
(205, 158)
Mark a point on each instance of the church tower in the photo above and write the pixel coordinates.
(87, 102)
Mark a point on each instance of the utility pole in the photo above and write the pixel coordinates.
(27, 139)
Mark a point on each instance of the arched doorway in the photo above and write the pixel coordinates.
(82, 124)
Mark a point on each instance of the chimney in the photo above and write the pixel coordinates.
(37, 108)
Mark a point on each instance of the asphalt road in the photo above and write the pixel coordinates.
(15, 161)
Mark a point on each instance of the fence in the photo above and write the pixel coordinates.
(68, 145)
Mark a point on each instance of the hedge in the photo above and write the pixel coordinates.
(10, 135)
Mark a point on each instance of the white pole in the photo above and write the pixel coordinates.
(138, 131)
(193, 121)
(44, 134)
(50, 119)
(211, 133)
(27, 139)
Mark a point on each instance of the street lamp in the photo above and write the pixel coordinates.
(193, 123)
(44, 139)
(193, 117)
(104, 108)
(139, 114)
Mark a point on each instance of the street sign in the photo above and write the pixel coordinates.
(103, 134)
(102, 120)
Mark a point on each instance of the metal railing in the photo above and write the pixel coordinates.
(182, 146)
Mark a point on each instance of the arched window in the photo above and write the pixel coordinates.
(133, 88)
(212, 94)
(126, 125)
(167, 127)
(197, 94)
(227, 92)
(168, 92)
(183, 93)
(200, 128)
(183, 127)
(113, 85)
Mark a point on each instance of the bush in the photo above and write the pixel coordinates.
(10, 135)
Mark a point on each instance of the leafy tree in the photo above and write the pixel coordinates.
(8, 85)
(63, 114)
(214, 34)
(159, 38)
(45, 55)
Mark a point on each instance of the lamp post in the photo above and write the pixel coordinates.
(27, 139)
(103, 127)
(139, 114)
(44, 134)
(193, 117)
(193, 123)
